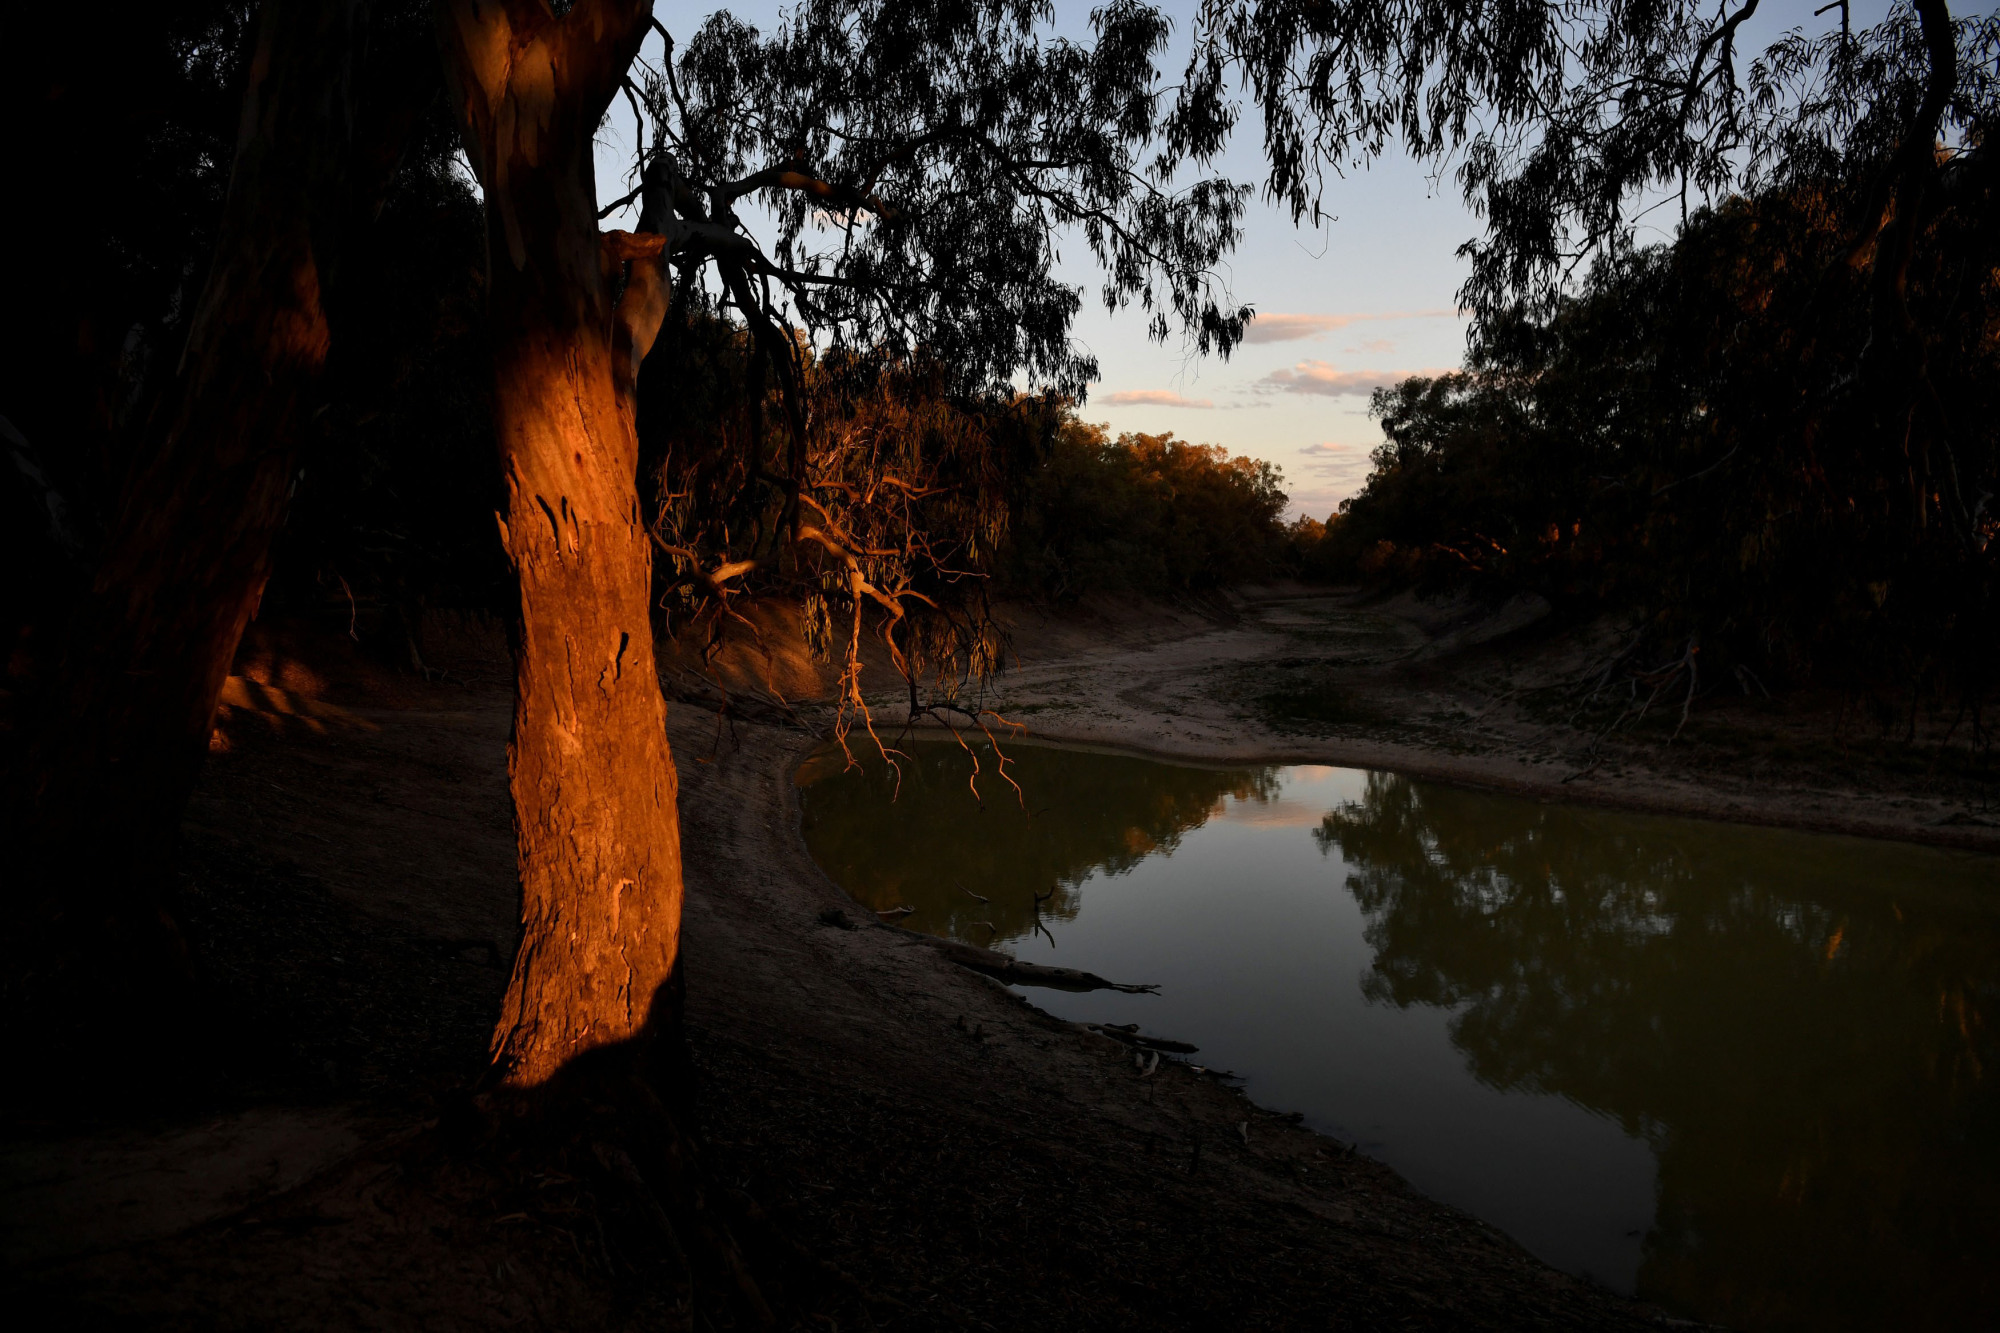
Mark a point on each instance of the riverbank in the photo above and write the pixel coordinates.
(969, 1161)
(1492, 698)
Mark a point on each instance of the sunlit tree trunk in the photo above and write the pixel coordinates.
(106, 767)
(593, 782)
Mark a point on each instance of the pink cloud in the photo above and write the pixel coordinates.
(1282, 328)
(1153, 398)
(1328, 381)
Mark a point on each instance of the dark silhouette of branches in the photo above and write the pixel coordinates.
(1563, 123)
(875, 194)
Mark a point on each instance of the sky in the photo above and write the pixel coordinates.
(1364, 299)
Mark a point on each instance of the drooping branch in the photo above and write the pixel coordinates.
(920, 163)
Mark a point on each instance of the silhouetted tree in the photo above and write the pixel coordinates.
(107, 757)
(1687, 437)
(1775, 437)
(1565, 118)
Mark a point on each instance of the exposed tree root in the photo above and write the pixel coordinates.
(1683, 672)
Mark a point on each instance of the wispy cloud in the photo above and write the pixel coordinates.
(1320, 501)
(1282, 328)
(1326, 380)
(1324, 474)
(1338, 461)
(1152, 398)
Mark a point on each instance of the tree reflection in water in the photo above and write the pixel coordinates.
(1088, 813)
(1800, 1026)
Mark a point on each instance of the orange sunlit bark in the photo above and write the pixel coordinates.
(592, 779)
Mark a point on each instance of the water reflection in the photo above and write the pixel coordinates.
(920, 839)
(1800, 1026)
(1793, 1032)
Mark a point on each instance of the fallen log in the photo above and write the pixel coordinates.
(1130, 1035)
(1014, 972)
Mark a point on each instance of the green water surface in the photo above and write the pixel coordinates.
(1745, 1073)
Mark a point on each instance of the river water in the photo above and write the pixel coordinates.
(1746, 1073)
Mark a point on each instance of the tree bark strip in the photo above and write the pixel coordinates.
(592, 779)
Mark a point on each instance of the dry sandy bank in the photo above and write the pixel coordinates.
(1483, 697)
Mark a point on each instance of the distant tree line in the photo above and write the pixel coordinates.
(958, 498)
(1143, 513)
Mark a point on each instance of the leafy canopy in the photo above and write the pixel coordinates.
(922, 162)
(1568, 119)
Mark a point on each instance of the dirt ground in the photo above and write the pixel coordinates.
(971, 1162)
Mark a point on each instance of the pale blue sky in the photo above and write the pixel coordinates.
(1365, 298)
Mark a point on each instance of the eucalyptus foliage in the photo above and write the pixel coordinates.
(877, 194)
(1565, 122)
(917, 166)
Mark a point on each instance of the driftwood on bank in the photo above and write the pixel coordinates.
(1129, 1034)
(1002, 967)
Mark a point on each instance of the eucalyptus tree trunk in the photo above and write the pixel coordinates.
(592, 779)
(103, 773)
